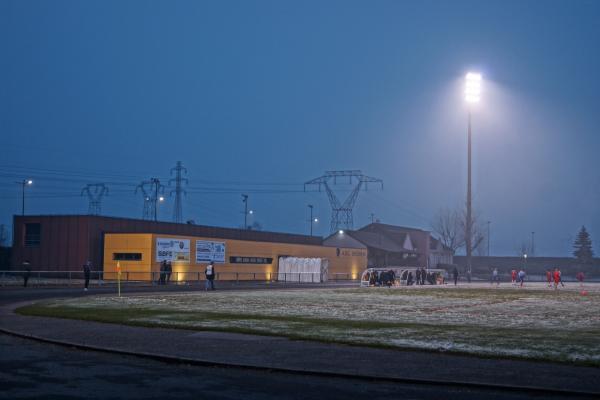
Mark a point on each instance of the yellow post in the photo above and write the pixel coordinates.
(119, 277)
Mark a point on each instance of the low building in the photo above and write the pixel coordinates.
(391, 245)
(65, 243)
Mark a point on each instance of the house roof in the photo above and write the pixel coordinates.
(377, 241)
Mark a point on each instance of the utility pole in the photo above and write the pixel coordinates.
(23, 183)
(532, 244)
(245, 201)
(311, 219)
(179, 180)
(372, 218)
(488, 238)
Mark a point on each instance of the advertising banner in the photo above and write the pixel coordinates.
(174, 250)
(207, 251)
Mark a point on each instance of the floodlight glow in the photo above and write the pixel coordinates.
(161, 198)
(29, 182)
(250, 212)
(316, 219)
(341, 232)
(472, 87)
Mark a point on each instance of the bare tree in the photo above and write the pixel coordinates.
(447, 224)
(450, 225)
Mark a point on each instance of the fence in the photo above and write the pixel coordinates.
(99, 278)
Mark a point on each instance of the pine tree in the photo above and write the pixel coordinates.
(583, 247)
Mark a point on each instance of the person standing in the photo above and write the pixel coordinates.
(556, 278)
(162, 273)
(455, 275)
(495, 277)
(26, 273)
(210, 276)
(580, 277)
(560, 277)
(169, 271)
(423, 274)
(521, 277)
(549, 277)
(418, 276)
(87, 271)
(513, 277)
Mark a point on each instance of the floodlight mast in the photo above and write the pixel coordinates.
(472, 96)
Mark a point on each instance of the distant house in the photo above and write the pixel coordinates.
(391, 245)
(439, 254)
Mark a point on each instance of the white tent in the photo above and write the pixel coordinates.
(296, 269)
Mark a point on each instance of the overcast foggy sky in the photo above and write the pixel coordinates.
(278, 92)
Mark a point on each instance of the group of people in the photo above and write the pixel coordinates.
(516, 278)
(166, 269)
(382, 278)
(554, 278)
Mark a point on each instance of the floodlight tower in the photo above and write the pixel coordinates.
(472, 97)
(341, 213)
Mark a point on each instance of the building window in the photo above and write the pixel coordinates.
(127, 256)
(32, 235)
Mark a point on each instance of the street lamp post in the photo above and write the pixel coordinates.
(245, 201)
(472, 96)
(23, 183)
(488, 238)
(311, 219)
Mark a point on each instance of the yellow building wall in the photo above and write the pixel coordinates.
(347, 263)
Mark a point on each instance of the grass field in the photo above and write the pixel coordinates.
(533, 323)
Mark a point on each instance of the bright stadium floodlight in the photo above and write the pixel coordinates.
(341, 232)
(472, 87)
(472, 96)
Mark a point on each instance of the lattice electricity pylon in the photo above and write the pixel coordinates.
(152, 191)
(179, 180)
(144, 188)
(341, 213)
(95, 192)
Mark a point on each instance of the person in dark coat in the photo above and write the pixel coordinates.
(455, 275)
(169, 271)
(418, 274)
(27, 273)
(163, 272)
(423, 275)
(210, 276)
(87, 271)
(409, 280)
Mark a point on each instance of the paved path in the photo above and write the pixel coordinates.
(211, 348)
(32, 370)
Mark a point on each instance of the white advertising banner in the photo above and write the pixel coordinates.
(174, 250)
(207, 251)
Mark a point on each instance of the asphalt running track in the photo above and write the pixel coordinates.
(31, 369)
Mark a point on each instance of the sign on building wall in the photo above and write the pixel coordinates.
(207, 251)
(174, 250)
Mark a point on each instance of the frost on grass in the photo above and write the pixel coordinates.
(532, 323)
